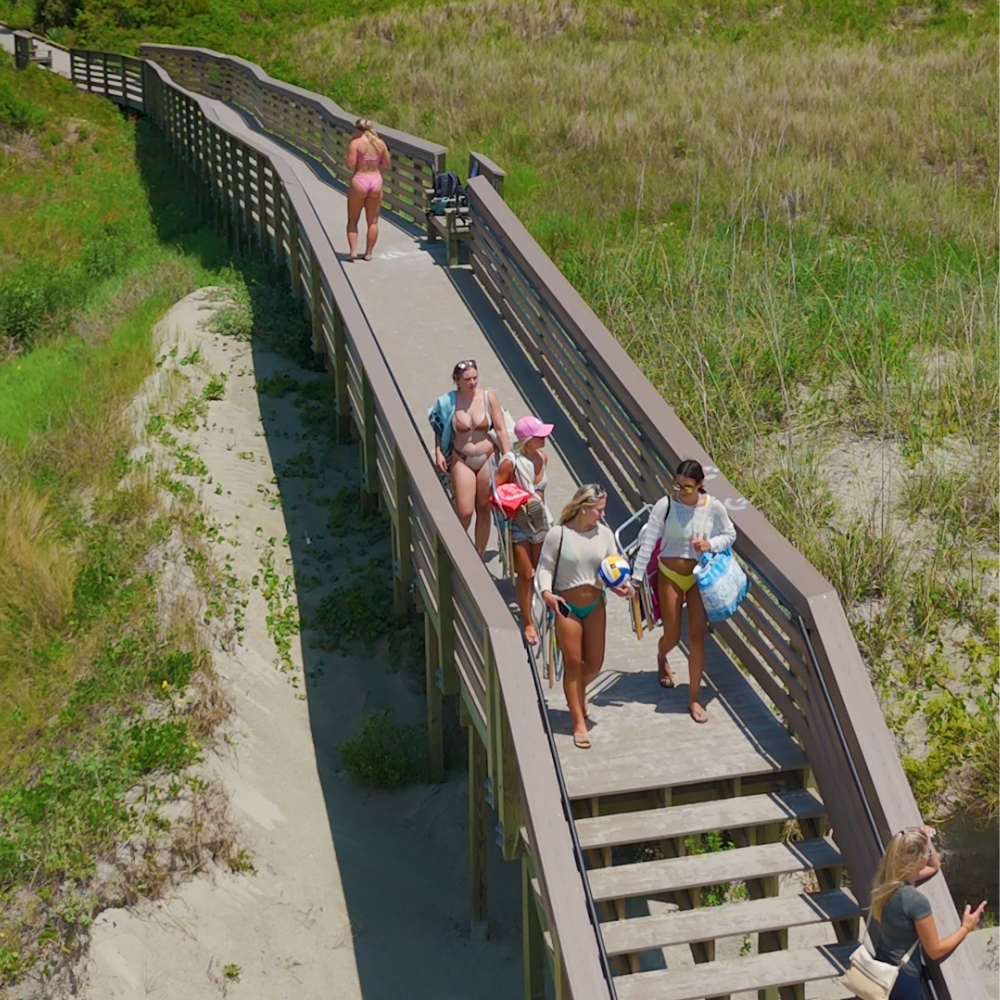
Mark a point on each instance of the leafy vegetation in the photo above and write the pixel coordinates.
(711, 843)
(106, 693)
(384, 754)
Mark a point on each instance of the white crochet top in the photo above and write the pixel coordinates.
(679, 525)
(581, 555)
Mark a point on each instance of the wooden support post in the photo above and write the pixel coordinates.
(402, 556)
(249, 226)
(340, 377)
(435, 702)
(279, 224)
(559, 973)
(263, 236)
(294, 263)
(369, 447)
(446, 636)
(507, 784)
(316, 291)
(478, 814)
(533, 945)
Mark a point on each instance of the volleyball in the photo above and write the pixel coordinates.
(614, 570)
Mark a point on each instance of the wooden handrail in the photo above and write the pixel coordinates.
(558, 330)
(482, 166)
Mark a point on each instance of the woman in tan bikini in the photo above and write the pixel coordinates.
(477, 416)
(366, 155)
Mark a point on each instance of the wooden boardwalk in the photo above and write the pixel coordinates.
(647, 751)
(708, 852)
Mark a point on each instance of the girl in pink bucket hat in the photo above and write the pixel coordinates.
(526, 466)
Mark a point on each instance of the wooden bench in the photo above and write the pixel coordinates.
(452, 227)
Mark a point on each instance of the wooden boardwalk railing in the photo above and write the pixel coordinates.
(792, 635)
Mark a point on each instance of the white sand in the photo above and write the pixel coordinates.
(357, 893)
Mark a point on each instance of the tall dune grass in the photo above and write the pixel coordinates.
(599, 112)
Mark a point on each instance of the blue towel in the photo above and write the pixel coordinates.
(440, 417)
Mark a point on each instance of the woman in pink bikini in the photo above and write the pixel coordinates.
(366, 155)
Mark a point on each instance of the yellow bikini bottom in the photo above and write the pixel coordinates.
(684, 581)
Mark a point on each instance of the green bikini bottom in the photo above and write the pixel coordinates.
(581, 613)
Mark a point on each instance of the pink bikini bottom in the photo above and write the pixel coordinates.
(368, 182)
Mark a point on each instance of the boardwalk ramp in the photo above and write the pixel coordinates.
(672, 861)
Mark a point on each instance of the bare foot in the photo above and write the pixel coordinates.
(367, 256)
(698, 713)
(351, 258)
(530, 634)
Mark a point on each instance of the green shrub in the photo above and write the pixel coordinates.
(384, 754)
(28, 296)
(16, 113)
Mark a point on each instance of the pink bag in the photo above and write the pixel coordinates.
(508, 498)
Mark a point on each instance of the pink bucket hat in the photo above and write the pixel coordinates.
(531, 427)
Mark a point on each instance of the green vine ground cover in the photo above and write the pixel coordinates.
(106, 693)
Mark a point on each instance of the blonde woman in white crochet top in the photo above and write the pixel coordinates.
(689, 524)
(569, 585)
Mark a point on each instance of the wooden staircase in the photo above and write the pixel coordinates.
(657, 887)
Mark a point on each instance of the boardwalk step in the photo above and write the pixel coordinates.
(773, 969)
(681, 821)
(622, 937)
(597, 776)
(649, 878)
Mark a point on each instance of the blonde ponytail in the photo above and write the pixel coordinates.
(365, 125)
(903, 857)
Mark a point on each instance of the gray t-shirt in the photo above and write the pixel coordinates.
(905, 906)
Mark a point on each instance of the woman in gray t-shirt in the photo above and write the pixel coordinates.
(904, 913)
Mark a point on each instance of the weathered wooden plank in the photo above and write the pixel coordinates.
(645, 765)
(774, 969)
(700, 817)
(648, 878)
(622, 937)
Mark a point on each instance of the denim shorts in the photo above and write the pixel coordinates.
(518, 534)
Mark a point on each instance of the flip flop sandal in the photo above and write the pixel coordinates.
(666, 678)
(581, 742)
(704, 715)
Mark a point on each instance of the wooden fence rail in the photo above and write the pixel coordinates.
(306, 121)
(117, 77)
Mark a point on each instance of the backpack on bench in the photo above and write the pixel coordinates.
(448, 193)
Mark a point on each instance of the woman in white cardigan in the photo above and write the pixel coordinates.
(688, 525)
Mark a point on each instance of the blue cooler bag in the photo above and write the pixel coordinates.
(721, 583)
